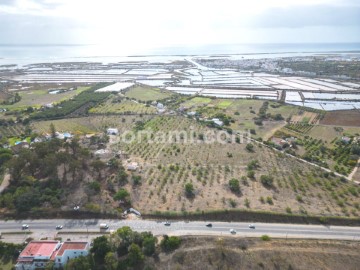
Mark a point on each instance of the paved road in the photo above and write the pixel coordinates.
(47, 228)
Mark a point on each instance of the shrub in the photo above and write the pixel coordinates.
(269, 200)
(266, 180)
(234, 185)
(250, 147)
(122, 194)
(189, 189)
(170, 243)
(265, 237)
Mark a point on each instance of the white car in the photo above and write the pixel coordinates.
(252, 226)
(232, 231)
(76, 207)
(25, 227)
(59, 227)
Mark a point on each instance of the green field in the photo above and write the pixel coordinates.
(123, 107)
(91, 124)
(38, 98)
(197, 101)
(142, 93)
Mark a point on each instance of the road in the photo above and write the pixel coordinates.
(46, 228)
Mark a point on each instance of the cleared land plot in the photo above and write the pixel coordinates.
(38, 98)
(197, 101)
(304, 117)
(123, 107)
(166, 168)
(147, 93)
(91, 124)
(328, 133)
(239, 253)
(342, 118)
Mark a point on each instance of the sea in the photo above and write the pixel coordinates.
(24, 54)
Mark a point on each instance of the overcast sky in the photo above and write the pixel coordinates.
(139, 23)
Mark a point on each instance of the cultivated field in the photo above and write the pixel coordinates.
(143, 93)
(342, 118)
(122, 106)
(38, 98)
(89, 124)
(166, 168)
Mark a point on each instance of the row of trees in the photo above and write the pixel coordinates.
(123, 250)
(85, 99)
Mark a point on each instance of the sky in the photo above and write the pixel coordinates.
(139, 23)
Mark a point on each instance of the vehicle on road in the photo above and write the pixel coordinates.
(252, 226)
(232, 231)
(167, 223)
(59, 227)
(25, 227)
(209, 225)
(104, 226)
(76, 208)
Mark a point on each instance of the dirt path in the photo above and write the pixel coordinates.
(351, 175)
(5, 183)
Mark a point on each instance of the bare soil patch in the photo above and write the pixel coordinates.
(342, 118)
(244, 253)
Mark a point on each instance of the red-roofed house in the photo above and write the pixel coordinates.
(70, 250)
(37, 254)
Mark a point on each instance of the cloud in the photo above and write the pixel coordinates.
(145, 23)
(304, 16)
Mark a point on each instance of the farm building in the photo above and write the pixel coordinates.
(133, 166)
(112, 131)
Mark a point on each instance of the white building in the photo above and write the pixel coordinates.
(70, 250)
(37, 254)
(112, 131)
(133, 166)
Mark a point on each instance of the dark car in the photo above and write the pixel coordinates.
(167, 223)
(209, 225)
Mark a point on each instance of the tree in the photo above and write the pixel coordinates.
(110, 261)
(122, 176)
(250, 147)
(189, 189)
(80, 263)
(149, 245)
(135, 255)
(234, 185)
(136, 180)
(122, 194)
(251, 174)
(170, 243)
(98, 165)
(267, 180)
(100, 248)
(52, 130)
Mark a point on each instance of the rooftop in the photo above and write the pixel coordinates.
(71, 246)
(39, 248)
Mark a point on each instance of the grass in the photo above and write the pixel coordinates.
(13, 140)
(38, 98)
(84, 125)
(147, 94)
(6, 265)
(223, 104)
(197, 101)
(122, 107)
